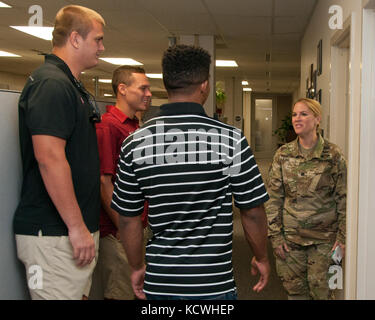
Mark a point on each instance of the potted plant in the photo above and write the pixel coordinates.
(286, 132)
(220, 100)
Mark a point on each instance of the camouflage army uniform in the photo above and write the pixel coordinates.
(306, 210)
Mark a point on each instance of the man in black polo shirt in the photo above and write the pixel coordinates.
(188, 166)
(57, 220)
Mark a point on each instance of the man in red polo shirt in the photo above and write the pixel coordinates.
(133, 94)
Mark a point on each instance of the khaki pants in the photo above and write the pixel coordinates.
(51, 271)
(113, 269)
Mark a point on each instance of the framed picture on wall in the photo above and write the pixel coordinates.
(314, 84)
(310, 93)
(319, 96)
(307, 87)
(320, 57)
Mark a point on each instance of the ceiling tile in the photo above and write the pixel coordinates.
(249, 8)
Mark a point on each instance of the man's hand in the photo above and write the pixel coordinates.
(263, 267)
(254, 224)
(137, 278)
(131, 232)
(83, 245)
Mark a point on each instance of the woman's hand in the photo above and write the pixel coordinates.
(342, 246)
(280, 251)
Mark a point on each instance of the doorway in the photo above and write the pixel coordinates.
(262, 126)
(267, 114)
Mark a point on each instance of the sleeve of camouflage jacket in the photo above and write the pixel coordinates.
(340, 198)
(274, 206)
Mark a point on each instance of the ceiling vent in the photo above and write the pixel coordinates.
(220, 42)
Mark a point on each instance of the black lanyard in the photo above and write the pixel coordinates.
(94, 110)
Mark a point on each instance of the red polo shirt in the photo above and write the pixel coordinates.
(114, 127)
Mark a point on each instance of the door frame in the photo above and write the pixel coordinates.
(366, 205)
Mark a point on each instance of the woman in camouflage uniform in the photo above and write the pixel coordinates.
(307, 206)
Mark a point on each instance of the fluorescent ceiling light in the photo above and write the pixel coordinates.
(245, 83)
(154, 75)
(104, 80)
(39, 32)
(8, 54)
(122, 61)
(108, 95)
(226, 63)
(247, 89)
(4, 5)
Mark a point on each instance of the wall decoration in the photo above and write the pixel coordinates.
(310, 83)
(310, 93)
(320, 57)
(307, 87)
(314, 83)
(319, 96)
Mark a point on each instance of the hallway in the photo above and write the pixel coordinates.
(322, 49)
(242, 257)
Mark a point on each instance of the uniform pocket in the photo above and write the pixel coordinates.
(290, 187)
(322, 181)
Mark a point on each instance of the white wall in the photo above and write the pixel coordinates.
(297, 95)
(317, 29)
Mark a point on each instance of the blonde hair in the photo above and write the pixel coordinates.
(73, 18)
(313, 105)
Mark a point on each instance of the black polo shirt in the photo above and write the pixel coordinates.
(188, 167)
(53, 103)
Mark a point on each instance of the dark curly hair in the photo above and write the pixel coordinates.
(185, 66)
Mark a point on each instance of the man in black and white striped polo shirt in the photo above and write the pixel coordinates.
(188, 166)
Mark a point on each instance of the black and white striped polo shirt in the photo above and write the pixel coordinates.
(188, 166)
